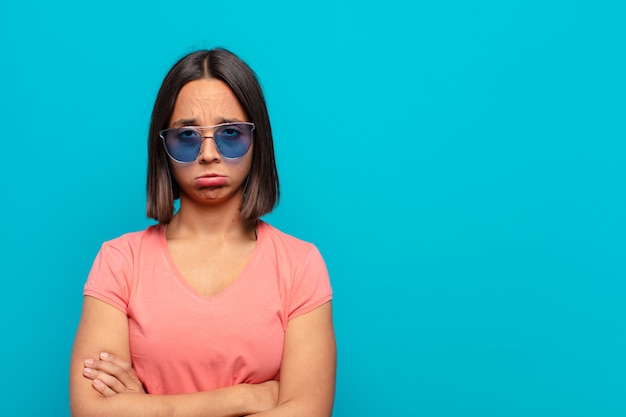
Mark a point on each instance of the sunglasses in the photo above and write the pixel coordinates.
(232, 140)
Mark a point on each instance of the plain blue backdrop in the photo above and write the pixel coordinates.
(460, 164)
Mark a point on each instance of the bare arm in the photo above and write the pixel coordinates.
(307, 377)
(103, 328)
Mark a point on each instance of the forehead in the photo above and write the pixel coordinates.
(207, 101)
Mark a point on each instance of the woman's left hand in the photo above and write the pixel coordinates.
(111, 375)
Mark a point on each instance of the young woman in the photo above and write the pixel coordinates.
(210, 312)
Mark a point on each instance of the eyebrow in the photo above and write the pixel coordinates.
(194, 122)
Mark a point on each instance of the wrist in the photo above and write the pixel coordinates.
(247, 398)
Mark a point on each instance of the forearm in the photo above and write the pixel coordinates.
(226, 402)
(307, 379)
(297, 408)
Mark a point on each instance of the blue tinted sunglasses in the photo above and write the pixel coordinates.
(232, 140)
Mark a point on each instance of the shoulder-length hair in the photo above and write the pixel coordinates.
(261, 189)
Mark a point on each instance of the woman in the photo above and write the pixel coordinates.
(210, 312)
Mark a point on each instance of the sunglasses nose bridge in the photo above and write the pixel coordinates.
(208, 152)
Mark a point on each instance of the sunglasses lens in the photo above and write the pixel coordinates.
(183, 145)
(233, 140)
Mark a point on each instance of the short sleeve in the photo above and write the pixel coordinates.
(311, 285)
(109, 278)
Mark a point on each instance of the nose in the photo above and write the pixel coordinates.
(208, 150)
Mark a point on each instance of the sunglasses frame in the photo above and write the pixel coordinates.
(198, 129)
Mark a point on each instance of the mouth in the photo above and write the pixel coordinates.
(210, 180)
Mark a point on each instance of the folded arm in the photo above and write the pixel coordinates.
(103, 328)
(307, 376)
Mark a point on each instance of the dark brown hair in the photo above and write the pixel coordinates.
(261, 190)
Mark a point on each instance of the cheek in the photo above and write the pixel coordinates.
(239, 168)
(242, 164)
(179, 170)
(248, 163)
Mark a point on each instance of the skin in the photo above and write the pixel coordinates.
(102, 381)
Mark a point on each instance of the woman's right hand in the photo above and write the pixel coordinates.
(111, 375)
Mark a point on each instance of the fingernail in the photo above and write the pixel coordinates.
(104, 355)
(87, 371)
(89, 362)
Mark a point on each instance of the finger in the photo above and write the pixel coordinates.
(112, 374)
(109, 381)
(111, 358)
(102, 388)
(123, 364)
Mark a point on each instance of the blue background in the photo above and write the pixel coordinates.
(461, 166)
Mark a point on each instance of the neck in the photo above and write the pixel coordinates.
(209, 222)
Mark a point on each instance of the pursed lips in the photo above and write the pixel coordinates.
(210, 180)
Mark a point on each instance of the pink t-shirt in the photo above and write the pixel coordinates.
(182, 342)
